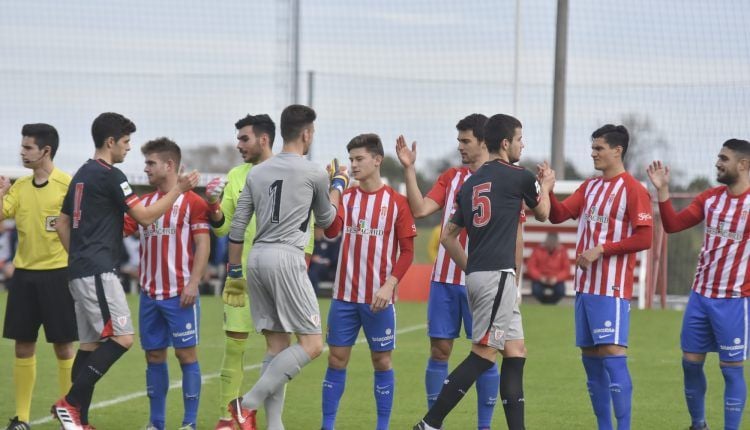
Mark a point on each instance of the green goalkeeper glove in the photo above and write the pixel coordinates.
(234, 286)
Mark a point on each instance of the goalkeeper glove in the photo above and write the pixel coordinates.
(234, 286)
(214, 188)
(337, 175)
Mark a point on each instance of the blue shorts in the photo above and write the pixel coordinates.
(716, 325)
(601, 320)
(163, 323)
(346, 318)
(446, 308)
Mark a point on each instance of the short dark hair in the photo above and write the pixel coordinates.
(474, 122)
(614, 135)
(110, 124)
(498, 128)
(261, 123)
(165, 147)
(294, 119)
(370, 141)
(44, 135)
(738, 145)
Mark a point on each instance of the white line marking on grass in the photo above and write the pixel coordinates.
(204, 379)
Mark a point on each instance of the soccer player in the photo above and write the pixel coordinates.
(173, 258)
(447, 305)
(716, 317)
(90, 227)
(488, 206)
(282, 191)
(377, 247)
(38, 292)
(615, 222)
(255, 136)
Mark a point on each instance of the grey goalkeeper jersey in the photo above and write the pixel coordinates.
(281, 192)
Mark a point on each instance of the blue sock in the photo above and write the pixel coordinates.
(598, 384)
(434, 377)
(383, 388)
(333, 388)
(157, 384)
(488, 384)
(735, 394)
(695, 391)
(191, 392)
(621, 388)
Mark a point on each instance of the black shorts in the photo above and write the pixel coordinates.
(40, 297)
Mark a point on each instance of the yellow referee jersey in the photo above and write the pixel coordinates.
(35, 209)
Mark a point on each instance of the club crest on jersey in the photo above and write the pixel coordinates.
(383, 211)
(121, 321)
(743, 215)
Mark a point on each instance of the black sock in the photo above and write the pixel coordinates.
(456, 386)
(82, 358)
(99, 361)
(511, 391)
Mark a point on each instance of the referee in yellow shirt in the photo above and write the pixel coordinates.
(38, 292)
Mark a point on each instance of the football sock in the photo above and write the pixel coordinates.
(24, 376)
(230, 376)
(274, 403)
(79, 363)
(621, 388)
(383, 388)
(434, 376)
(191, 391)
(455, 387)
(735, 394)
(64, 371)
(333, 388)
(511, 391)
(695, 391)
(488, 384)
(157, 385)
(97, 365)
(597, 381)
(287, 364)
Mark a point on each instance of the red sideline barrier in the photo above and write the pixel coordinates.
(415, 286)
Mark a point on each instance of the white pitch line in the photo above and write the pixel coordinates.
(204, 379)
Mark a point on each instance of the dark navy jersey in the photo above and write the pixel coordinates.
(98, 197)
(489, 207)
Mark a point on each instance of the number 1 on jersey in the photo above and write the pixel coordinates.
(275, 192)
(481, 205)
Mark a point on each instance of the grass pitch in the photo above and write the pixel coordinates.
(555, 387)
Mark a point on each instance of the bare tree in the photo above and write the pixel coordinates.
(646, 144)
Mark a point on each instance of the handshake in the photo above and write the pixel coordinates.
(337, 175)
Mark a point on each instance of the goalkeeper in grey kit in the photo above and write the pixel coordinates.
(282, 192)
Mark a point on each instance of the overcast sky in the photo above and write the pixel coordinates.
(190, 69)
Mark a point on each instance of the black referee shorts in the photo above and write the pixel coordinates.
(40, 297)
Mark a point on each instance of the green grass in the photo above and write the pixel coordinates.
(555, 388)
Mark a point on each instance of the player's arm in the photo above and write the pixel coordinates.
(6, 208)
(672, 220)
(420, 206)
(406, 230)
(546, 182)
(147, 215)
(62, 226)
(202, 250)
(449, 239)
(235, 285)
(328, 189)
(519, 253)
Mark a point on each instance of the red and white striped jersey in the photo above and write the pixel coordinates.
(373, 224)
(722, 270)
(444, 194)
(166, 251)
(608, 211)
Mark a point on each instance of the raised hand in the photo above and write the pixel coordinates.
(338, 175)
(187, 182)
(406, 156)
(658, 173)
(4, 185)
(214, 188)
